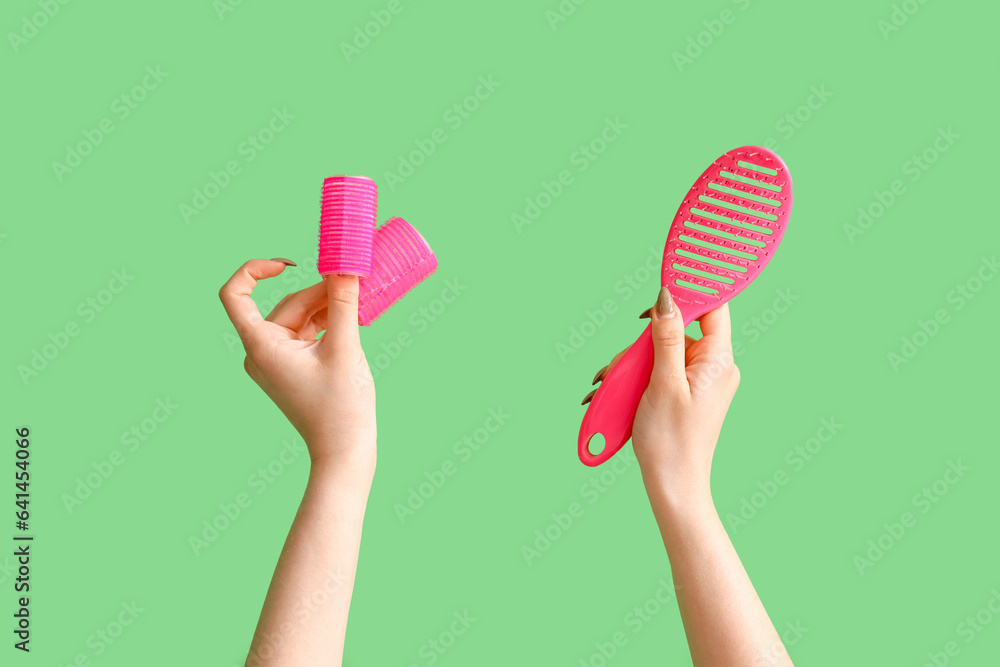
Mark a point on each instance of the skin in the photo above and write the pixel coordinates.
(674, 435)
(325, 389)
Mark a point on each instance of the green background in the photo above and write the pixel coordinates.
(165, 336)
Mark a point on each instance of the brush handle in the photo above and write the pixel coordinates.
(612, 410)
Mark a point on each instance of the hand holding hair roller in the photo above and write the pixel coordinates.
(723, 235)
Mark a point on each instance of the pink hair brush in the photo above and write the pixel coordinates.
(723, 235)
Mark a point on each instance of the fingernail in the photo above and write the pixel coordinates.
(599, 374)
(645, 313)
(586, 399)
(286, 262)
(665, 304)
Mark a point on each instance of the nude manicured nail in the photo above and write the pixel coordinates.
(665, 304)
(646, 313)
(286, 262)
(599, 375)
(586, 399)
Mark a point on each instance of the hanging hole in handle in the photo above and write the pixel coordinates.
(596, 444)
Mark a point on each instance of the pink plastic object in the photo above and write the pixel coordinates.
(347, 225)
(723, 235)
(401, 259)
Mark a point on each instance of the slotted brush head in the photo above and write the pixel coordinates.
(722, 236)
(401, 259)
(347, 225)
(726, 229)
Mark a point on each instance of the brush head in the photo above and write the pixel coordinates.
(401, 259)
(727, 229)
(347, 225)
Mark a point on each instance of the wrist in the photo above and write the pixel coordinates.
(353, 467)
(682, 515)
(677, 494)
(675, 474)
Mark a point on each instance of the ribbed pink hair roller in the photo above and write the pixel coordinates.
(347, 225)
(401, 259)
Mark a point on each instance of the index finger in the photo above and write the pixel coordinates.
(236, 299)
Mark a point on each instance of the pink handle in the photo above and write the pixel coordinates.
(612, 411)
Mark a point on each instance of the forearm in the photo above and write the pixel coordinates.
(724, 619)
(304, 618)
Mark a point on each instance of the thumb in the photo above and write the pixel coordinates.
(668, 341)
(342, 311)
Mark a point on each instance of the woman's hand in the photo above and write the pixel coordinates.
(678, 420)
(680, 415)
(324, 387)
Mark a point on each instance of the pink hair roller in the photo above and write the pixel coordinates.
(401, 259)
(347, 225)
